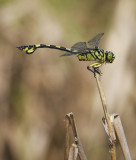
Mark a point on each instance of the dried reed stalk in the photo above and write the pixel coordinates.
(71, 152)
(111, 134)
(121, 136)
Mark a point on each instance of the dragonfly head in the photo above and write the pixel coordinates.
(109, 57)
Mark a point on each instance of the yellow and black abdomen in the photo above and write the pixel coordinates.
(31, 48)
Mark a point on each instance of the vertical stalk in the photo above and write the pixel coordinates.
(107, 118)
(77, 141)
(121, 136)
(66, 153)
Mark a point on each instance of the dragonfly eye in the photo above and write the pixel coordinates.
(110, 57)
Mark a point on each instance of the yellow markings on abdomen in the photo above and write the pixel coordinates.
(30, 50)
(58, 46)
(37, 45)
(25, 49)
(68, 49)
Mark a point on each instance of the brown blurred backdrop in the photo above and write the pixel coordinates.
(38, 90)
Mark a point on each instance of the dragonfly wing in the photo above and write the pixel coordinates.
(94, 42)
(79, 47)
(67, 54)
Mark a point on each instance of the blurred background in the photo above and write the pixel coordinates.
(38, 90)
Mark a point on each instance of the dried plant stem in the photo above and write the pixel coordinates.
(121, 137)
(107, 119)
(66, 154)
(77, 145)
(73, 153)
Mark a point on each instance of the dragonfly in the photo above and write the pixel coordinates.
(85, 51)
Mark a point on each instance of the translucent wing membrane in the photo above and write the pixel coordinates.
(79, 47)
(67, 54)
(94, 42)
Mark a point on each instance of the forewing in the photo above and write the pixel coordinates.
(80, 47)
(67, 54)
(94, 42)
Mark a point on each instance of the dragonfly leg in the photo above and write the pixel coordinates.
(95, 68)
